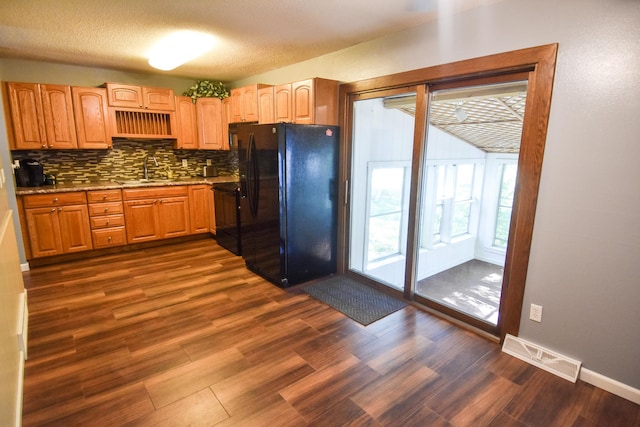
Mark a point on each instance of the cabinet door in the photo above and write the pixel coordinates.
(303, 108)
(26, 116)
(154, 98)
(90, 111)
(44, 231)
(282, 103)
(237, 105)
(226, 119)
(199, 208)
(141, 218)
(209, 118)
(211, 209)
(58, 116)
(174, 216)
(250, 103)
(265, 105)
(75, 229)
(187, 123)
(120, 95)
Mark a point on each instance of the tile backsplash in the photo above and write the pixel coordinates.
(125, 161)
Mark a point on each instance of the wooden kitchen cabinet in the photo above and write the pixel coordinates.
(156, 213)
(106, 213)
(209, 120)
(91, 117)
(57, 223)
(187, 124)
(266, 113)
(244, 103)
(200, 210)
(311, 101)
(41, 117)
(134, 96)
(283, 106)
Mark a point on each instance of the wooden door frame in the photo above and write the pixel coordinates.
(539, 63)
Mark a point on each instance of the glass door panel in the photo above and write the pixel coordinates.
(383, 129)
(468, 182)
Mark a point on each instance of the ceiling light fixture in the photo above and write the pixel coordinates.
(460, 114)
(178, 48)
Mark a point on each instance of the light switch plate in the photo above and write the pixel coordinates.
(185, 163)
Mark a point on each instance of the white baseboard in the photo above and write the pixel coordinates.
(24, 267)
(610, 385)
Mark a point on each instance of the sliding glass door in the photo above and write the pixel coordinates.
(381, 179)
(468, 182)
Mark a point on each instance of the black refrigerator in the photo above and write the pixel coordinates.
(289, 183)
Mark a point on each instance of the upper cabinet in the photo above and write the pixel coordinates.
(90, 113)
(187, 124)
(312, 101)
(265, 105)
(244, 103)
(201, 126)
(41, 117)
(141, 112)
(133, 96)
(209, 118)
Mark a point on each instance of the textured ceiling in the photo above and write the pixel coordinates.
(254, 36)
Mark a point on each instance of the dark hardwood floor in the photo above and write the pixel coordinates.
(185, 335)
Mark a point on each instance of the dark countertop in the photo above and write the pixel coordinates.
(110, 185)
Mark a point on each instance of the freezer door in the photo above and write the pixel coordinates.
(309, 204)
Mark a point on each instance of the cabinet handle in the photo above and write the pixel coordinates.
(44, 145)
(50, 145)
(109, 238)
(55, 200)
(104, 197)
(107, 223)
(53, 209)
(59, 209)
(106, 209)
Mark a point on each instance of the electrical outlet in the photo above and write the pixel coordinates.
(185, 163)
(535, 313)
(208, 162)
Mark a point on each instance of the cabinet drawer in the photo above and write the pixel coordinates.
(55, 199)
(109, 237)
(99, 209)
(157, 192)
(107, 221)
(104, 196)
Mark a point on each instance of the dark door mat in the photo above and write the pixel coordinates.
(360, 302)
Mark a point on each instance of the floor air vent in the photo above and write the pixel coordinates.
(548, 360)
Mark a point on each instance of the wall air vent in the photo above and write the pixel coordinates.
(548, 360)
(142, 124)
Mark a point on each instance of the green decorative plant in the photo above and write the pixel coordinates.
(207, 88)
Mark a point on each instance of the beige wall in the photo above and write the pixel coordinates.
(584, 267)
(11, 286)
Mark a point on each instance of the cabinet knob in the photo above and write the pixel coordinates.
(106, 209)
(59, 209)
(44, 145)
(107, 223)
(109, 238)
(50, 145)
(55, 200)
(53, 209)
(104, 197)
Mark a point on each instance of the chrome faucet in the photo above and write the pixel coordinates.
(145, 168)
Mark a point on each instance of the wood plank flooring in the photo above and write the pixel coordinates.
(185, 335)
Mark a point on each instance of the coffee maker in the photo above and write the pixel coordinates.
(30, 173)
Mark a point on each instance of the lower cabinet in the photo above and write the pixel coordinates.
(199, 208)
(57, 223)
(156, 213)
(106, 213)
